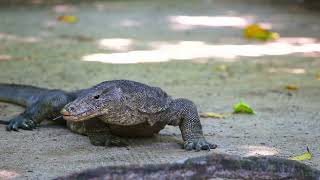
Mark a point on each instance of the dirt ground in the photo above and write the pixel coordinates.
(194, 49)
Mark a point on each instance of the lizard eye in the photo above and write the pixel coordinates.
(96, 96)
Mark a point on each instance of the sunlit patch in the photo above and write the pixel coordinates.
(260, 151)
(5, 174)
(130, 23)
(5, 57)
(191, 50)
(117, 44)
(63, 8)
(50, 24)
(189, 22)
(19, 39)
(299, 40)
(288, 70)
(128, 58)
(312, 54)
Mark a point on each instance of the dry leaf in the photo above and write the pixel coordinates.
(214, 115)
(255, 31)
(68, 19)
(79, 38)
(292, 87)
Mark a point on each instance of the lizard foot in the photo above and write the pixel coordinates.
(21, 123)
(101, 139)
(198, 144)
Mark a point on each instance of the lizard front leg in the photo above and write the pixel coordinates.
(184, 113)
(48, 106)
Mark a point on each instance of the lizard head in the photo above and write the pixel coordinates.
(94, 102)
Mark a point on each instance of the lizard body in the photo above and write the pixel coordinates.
(118, 107)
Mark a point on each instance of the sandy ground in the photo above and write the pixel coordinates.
(223, 68)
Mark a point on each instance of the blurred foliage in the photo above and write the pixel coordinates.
(310, 4)
(46, 2)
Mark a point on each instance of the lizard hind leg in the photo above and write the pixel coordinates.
(106, 139)
(183, 113)
(98, 132)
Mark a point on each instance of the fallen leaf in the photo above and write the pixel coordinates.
(292, 87)
(318, 76)
(255, 31)
(79, 38)
(68, 19)
(84, 38)
(243, 107)
(222, 68)
(214, 115)
(303, 157)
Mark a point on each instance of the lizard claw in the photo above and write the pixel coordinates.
(198, 144)
(21, 123)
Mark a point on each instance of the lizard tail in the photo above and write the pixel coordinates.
(4, 122)
(20, 94)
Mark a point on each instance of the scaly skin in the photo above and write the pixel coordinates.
(212, 166)
(119, 107)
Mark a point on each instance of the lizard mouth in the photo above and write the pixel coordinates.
(77, 117)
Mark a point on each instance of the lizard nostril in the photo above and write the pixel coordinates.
(72, 108)
(65, 112)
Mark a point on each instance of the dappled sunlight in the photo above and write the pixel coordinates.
(260, 151)
(287, 70)
(298, 40)
(190, 22)
(19, 39)
(5, 57)
(64, 9)
(130, 23)
(6, 174)
(116, 44)
(190, 50)
(128, 58)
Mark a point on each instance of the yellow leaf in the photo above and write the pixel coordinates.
(255, 31)
(303, 157)
(214, 115)
(68, 19)
(222, 68)
(292, 87)
(274, 36)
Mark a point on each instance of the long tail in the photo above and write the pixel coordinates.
(4, 122)
(206, 167)
(20, 94)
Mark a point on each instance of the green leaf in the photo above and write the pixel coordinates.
(242, 107)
